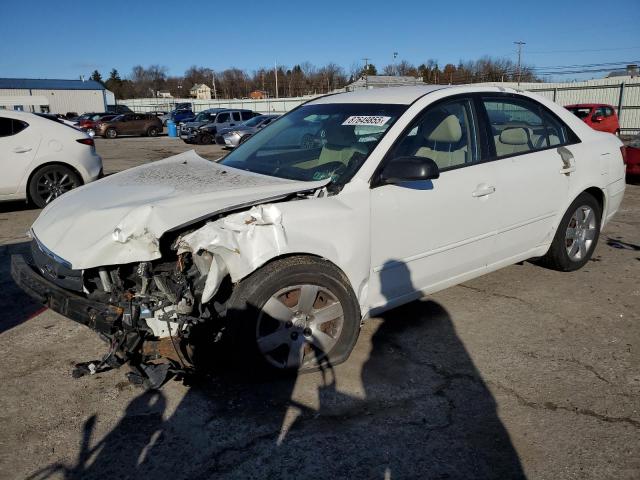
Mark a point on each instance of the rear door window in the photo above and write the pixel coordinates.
(236, 116)
(521, 126)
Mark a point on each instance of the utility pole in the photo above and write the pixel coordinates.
(213, 80)
(395, 68)
(366, 72)
(275, 71)
(520, 44)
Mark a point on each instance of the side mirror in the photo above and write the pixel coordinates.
(409, 169)
(597, 118)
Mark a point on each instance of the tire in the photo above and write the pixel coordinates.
(51, 181)
(152, 132)
(576, 237)
(296, 341)
(205, 139)
(110, 133)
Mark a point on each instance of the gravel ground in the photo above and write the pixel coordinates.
(524, 372)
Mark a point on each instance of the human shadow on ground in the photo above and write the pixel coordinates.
(16, 306)
(418, 408)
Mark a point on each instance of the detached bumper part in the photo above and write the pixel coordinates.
(97, 316)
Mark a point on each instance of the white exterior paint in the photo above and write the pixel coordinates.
(62, 101)
(393, 243)
(44, 141)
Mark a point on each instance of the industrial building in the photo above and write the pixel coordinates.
(54, 96)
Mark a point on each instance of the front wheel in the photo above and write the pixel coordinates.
(577, 235)
(205, 139)
(51, 181)
(111, 133)
(152, 132)
(297, 314)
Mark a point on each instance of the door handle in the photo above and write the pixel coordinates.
(482, 192)
(22, 149)
(567, 170)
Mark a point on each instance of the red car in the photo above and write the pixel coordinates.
(598, 116)
(631, 157)
(88, 121)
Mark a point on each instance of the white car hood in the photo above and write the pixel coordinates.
(121, 218)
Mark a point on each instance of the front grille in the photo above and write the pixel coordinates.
(54, 268)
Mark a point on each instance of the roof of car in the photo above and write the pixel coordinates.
(584, 105)
(397, 95)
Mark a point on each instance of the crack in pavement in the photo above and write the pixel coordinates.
(550, 406)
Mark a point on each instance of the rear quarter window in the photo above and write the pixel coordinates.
(11, 126)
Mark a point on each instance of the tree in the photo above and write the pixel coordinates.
(96, 76)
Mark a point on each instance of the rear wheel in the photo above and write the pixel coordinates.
(51, 181)
(111, 133)
(577, 235)
(295, 314)
(152, 132)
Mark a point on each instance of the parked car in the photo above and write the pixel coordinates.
(41, 158)
(206, 134)
(178, 116)
(202, 118)
(283, 250)
(118, 109)
(632, 157)
(232, 136)
(87, 121)
(598, 116)
(158, 113)
(129, 124)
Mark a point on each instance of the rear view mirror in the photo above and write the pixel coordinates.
(409, 169)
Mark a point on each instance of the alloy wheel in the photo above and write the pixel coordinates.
(581, 232)
(299, 325)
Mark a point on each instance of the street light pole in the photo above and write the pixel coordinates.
(520, 44)
(275, 71)
(213, 80)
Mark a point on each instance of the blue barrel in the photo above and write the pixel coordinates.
(172, 127)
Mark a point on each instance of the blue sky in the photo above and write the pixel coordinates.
(64, 39)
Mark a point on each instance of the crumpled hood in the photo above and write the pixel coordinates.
(121, 218)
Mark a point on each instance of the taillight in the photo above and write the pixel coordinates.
(86, 141)
(623, 151)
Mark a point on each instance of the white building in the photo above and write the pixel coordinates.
(54, 96)
(200, 91)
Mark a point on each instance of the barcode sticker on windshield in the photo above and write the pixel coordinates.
(366, 120)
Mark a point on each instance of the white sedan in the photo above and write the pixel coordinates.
(42, 158)
(284, 251)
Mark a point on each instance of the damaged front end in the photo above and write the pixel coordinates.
(158, 316)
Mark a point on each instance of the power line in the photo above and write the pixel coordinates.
(542, 52)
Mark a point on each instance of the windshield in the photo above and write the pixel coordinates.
(580, 112)
(204, 117)
(315, 142)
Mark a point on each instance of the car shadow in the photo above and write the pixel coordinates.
(17, 306)
(16, 206)
(413, 406)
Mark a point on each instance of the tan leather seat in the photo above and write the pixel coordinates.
(441, 142)
(513, 140)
